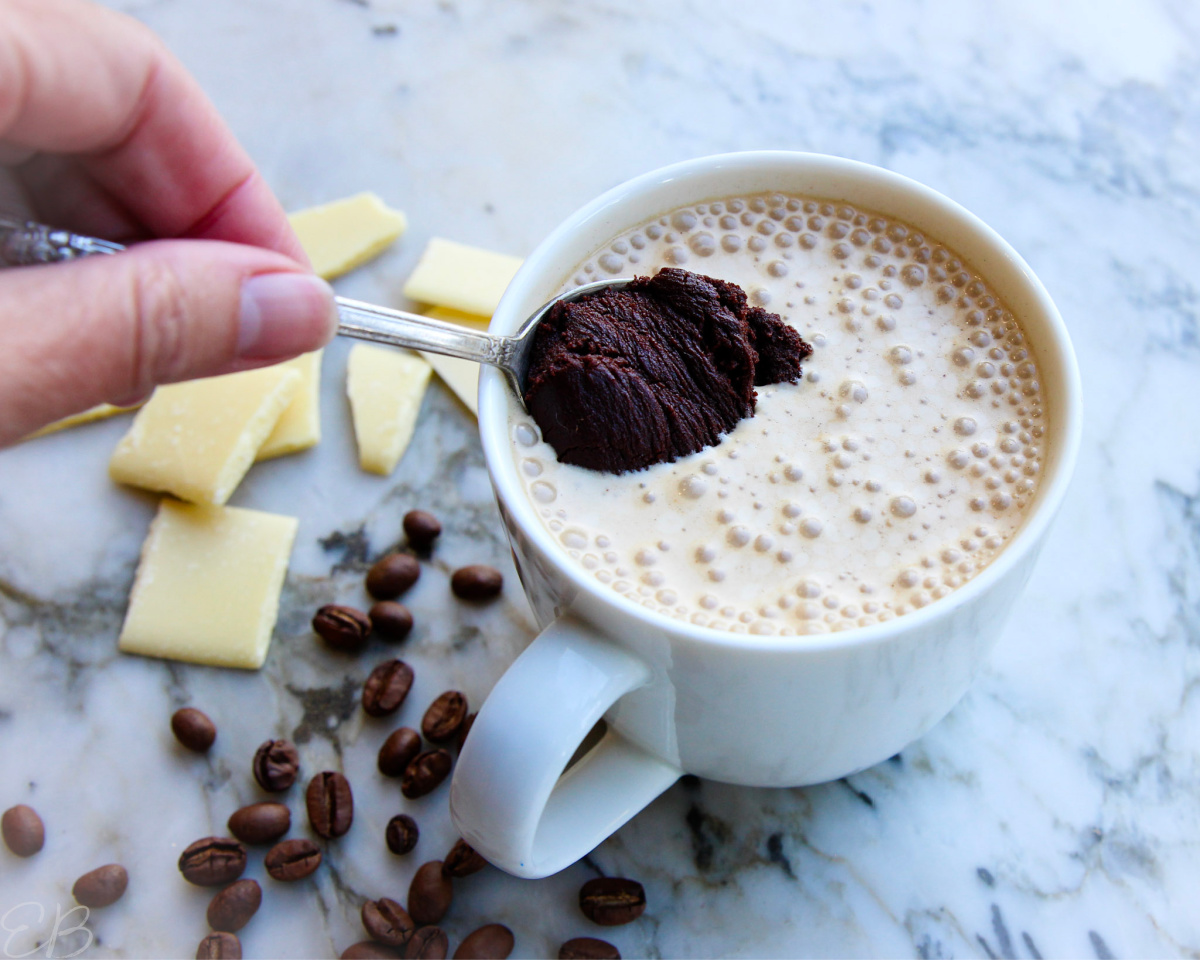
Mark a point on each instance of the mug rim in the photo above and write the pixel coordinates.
(493, 404)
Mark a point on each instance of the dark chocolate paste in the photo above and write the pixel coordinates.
(627, 378)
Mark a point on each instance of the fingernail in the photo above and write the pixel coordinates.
(283, 314)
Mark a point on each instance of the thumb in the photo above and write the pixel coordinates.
(109, 329)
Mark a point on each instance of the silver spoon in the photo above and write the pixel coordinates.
(25, 242)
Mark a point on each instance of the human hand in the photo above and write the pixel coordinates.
(102, 131)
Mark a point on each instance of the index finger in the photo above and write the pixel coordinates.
(76, 78)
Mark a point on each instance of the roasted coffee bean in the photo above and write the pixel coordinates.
(445, 717)
(588, 948)
(493, 942)
(392, 621)
(421, 528)
(213, 861)
(276, 765)
(402, 834)
(388, 922)
(392, 575)
(476, 582)
(219, 946)
(342, 628)
(427, 943)
(263, 822)
(102, 886)
(193, 729)
(232, 908)
(330, 804)
(465, 729)
(23, 831)
(370, 950)
(429, 894)
(398, 751)
(462, 860)
(426, 771)
(386, 688)
(611, 901)
(292, 859)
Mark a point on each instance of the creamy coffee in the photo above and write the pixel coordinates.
(892, 473)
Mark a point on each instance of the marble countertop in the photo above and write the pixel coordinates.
(1053, 813)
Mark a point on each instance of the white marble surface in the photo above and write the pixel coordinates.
(1053, 813)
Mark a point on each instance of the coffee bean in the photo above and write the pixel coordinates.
(232, 908)
(426, 771)
(388, 922)
(392, 621)
(370, 950)
(386, 688)
(398, 751)
(276, 765)
(263, 822)
(429, 894)
(342, 628)
(219, 946)
(292, 859)
(588, 948)
(193, 729)
(212, 861)
(465, 729)
(462, 860)
(102, 886)
(611, 901)
(476, 582)
(23, 831)
(427, 943)
(330, 804)
(421, 528)
(445, 717)
(392, 575)
(492, 942)
(402, 834)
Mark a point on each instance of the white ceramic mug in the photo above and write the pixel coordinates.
(678, 698)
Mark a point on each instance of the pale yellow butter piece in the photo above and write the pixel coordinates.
(473, 320)
(207, 587)
(461, 376)
(98, 412)
(299, 426)
(464, 278)
(385, 387)
(198, 439)
(344, 234)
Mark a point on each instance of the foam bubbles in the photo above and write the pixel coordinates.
(853, 390)
(902, 507)
(881, 277)
(693, 487)
(737, 536)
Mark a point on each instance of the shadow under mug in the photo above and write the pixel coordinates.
(679, 698)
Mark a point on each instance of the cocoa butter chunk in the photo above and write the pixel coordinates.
(626, 378)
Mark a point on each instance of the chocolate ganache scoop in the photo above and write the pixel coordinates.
(629, 377)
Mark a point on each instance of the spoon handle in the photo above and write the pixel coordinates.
(367, 321)
(26, 242)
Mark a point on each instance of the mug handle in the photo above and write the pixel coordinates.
(510, 798)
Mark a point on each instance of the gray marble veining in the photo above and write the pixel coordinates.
(1053, 813)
